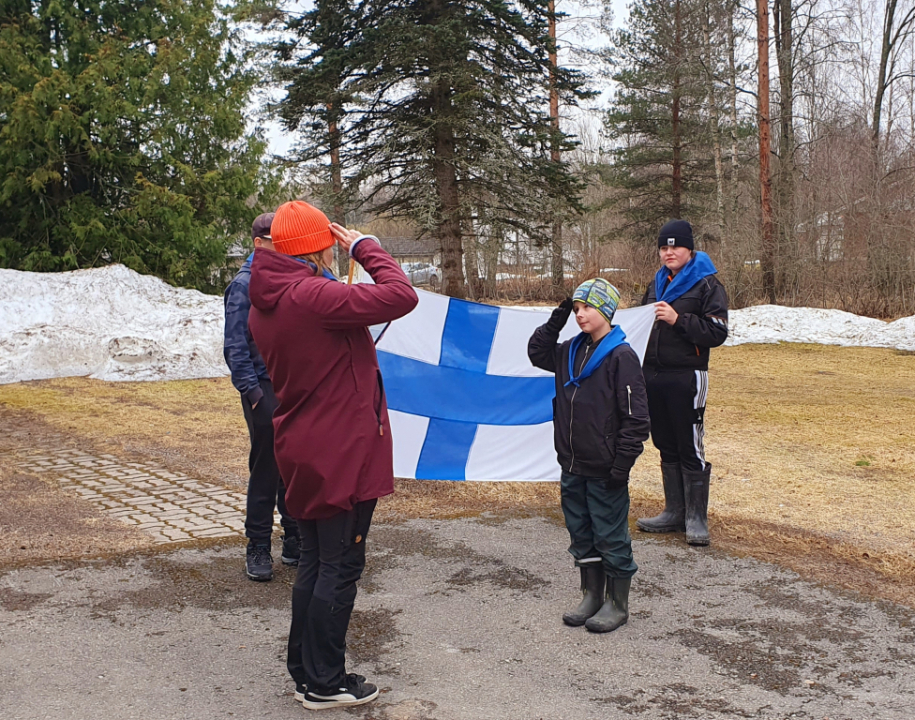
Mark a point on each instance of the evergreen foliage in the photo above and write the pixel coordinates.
(442, 110)
(123, 136)
(661, 155)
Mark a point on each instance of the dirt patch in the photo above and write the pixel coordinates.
(372, 634)
(677, 700)
(18, 601)
(38, 522)
(180, 580)
(477, 568)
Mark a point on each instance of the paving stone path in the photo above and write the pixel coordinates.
(171, 507)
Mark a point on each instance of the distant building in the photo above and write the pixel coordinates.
(412, 250)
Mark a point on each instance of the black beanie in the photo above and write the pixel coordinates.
(678, 233)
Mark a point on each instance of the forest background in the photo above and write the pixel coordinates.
(135, 131)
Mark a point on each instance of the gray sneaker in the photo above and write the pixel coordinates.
(259, 562)
(291, 550)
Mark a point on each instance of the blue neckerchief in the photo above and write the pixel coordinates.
(699, 267)
(327, 273)
(606, 346)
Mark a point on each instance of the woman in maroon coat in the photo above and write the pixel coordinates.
(332, 434)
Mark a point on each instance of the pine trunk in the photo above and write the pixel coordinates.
(713, 120)
(784, 51)
(449, 201)
(765, 145)
(676, 199)
(556, 259)
(732, 69)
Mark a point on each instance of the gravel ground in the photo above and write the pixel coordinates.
(456, 619)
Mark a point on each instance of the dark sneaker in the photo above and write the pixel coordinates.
(356, 692)
(291, 549)
(259, 562)
(300, 691)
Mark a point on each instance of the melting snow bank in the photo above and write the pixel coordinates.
(114, 324)
(773, 323)
(109, 323)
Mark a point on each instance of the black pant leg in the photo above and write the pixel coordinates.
(264, 479)
(298, 649)
(676, 404)
(341, 552)
(663, 432)
(690, 419)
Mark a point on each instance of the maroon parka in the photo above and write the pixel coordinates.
(333, 438)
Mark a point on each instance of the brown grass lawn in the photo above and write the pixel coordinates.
(813, 450)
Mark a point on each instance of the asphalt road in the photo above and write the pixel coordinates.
(455, 620)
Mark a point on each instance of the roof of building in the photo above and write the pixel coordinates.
(404, 246)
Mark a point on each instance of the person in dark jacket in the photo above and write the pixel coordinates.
(691, 307)
(600, 420)
(333, 436)
(249, 376)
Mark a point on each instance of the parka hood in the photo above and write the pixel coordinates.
(272, 275)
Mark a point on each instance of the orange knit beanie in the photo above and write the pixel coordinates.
(299, 229)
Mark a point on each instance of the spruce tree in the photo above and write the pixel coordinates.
(661, 156)
(442, 111)
(123, 136)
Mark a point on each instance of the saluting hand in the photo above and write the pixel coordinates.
(664, 312)
(344, 236)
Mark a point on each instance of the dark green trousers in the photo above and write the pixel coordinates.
(597, 518)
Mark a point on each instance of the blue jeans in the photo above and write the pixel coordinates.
(597, 518)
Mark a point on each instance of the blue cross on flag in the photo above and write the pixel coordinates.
(464, 401)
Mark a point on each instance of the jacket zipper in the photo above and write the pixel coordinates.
(629, 394)
(380, 401)
(572, 405)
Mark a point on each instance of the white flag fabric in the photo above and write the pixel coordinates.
(464, 400)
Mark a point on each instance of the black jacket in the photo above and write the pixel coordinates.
(599, 427)
(703, 324)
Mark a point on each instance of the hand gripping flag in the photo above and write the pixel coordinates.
(464, 400)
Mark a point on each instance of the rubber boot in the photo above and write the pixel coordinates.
(695, 485)
(672, 519)
(615, 611)
(592, 590)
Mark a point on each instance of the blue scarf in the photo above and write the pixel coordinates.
(699, 267)
(606, 346)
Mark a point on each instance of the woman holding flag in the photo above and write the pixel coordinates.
(691, 311)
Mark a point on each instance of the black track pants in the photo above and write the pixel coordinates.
(676, 404)
(330, 564)
(265, 487)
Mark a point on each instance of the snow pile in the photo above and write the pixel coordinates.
(114, 324)
(773, 323)
(109, 323)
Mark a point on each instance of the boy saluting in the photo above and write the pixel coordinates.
(600, 421)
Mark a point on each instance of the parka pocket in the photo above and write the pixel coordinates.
(352, 364)
(610, 430)
(379, 402)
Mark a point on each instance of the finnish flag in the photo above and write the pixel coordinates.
(465, 403)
